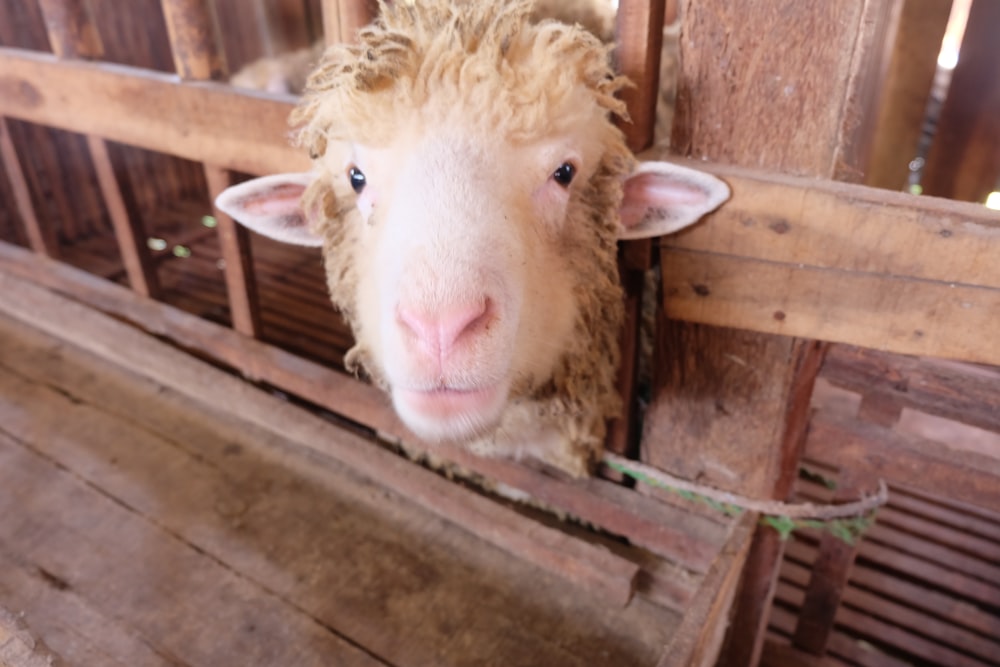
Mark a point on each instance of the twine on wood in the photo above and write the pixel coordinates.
(799, 511)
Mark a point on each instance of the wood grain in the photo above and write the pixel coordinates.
(205, 122)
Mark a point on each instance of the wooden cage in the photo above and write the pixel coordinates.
(130, 307)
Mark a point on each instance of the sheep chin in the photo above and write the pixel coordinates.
(451, 415)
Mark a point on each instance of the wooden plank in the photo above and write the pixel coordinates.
(73, 35)
(130, 235)
(124, 566)
(680, 536)
(852, 228)
(359, 558)
(959, 392)
(908, 84)
(935, 604)
(965, 476)
(205, 122)
(875, 629)
(71, 32)
(882, 312)
(829, 576)
(41, 239)
(18, 648)
(964, 160)
(199, 57)
(194, 41)
(698, 640)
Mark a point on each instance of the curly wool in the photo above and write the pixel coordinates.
(483, 61)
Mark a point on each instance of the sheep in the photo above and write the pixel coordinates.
(469, 187)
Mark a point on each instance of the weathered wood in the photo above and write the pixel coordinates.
(41, 239)
(128, 228)
(673, 533)
(964, 160)
(961, 392)
(798, 99)
(19, 648)
(698, 640)
(970, 477)
(205, 122)
(908, 84)
(193, 34)
(829, 575)
(73, 35)
(72, 32)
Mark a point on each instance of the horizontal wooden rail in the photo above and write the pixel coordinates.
(201, 121)
(961, 392)
(839, 262)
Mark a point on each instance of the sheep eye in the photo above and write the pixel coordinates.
(357, 179)
(564, 174)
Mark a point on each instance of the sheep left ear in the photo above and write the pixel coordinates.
(662, 198)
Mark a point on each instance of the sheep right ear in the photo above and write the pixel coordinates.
(271, 205)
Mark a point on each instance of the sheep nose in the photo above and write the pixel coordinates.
(438, 331)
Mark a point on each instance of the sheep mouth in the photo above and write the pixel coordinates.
(450, 413)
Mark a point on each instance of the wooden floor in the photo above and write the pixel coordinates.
(138, 527)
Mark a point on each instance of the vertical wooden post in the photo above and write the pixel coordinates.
(42, 240)
(343, 18)
(198, 56)
(639, 37)
(73, 35)
(731, 407)
(907, 90)
(964, 160)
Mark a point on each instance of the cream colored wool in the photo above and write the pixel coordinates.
(440, 64)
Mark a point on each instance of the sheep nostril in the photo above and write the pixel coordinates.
(440, 330)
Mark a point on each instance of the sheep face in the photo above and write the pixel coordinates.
(464, 290)
(468, 194)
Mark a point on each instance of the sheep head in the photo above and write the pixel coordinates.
(468, 195)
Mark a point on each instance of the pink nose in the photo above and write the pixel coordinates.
(438, 332)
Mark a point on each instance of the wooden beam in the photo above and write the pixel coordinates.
(964, 476)
(205, 122)
(903, 109)
(199, 57)
(73, 35)
(964, 160)
(41, 239)
(737, 394)
(962, 393)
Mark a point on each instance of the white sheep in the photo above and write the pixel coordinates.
(468, 194)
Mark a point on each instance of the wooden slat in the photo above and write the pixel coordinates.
(907, 90)
(71, 31)
(73, 35)
(131, 237)
(205, 122)
(882, 312)
(966, 476)
(42, 240)
(852, 228)
(199, 57)
(958, 392)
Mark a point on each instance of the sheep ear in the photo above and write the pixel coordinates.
(662, 198)
(271, 206)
